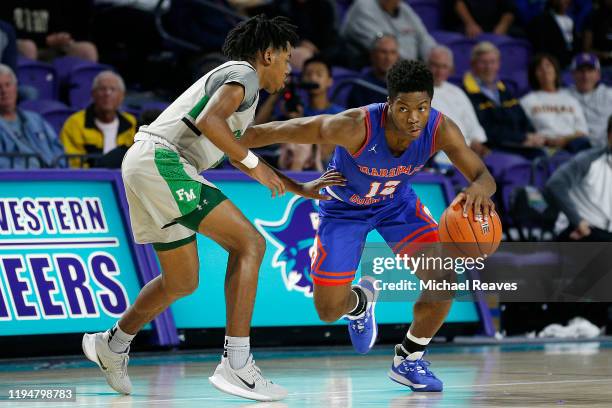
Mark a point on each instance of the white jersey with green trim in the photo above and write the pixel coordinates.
(177, 126)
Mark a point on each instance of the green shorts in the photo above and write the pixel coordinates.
(167, 196)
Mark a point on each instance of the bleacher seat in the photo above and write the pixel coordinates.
(65, 65)
(80, 81)
(429, 11)
(57, 117)
(462, 50)
(41, 76)
(54, 112)
(41, 105)
(446, 37)
(515, 55)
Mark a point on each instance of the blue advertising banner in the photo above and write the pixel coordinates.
(284, 296)
(67, 263)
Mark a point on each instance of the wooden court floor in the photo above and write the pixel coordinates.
(551, 375)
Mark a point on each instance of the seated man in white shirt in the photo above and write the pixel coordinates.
(453, 102)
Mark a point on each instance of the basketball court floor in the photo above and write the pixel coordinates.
(549, 375)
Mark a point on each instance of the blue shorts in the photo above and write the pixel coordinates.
(343, 229)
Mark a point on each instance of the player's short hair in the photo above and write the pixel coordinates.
(258, 33)
(409, 76)
(317, 59)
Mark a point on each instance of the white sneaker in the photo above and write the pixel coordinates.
(113, 365)
(246, 382)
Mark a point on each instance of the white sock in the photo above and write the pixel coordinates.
(237, 351)
(422, 341)
(118, 340)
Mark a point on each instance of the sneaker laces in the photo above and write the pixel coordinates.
(256, 373)
(421, 366)
(120, 364)
(359, 325)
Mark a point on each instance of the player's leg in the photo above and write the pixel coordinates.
(339, 244)
(179, 278)
(408, 230)
(237, 373)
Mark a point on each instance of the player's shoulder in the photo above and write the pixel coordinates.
(345, 129)
(446, 124)
(348, 119)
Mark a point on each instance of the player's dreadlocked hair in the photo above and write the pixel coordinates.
(257, 34)
(409, 76)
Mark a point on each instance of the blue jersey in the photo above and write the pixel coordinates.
(373, 174)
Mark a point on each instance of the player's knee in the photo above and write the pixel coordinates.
(255, 244)
(183, 287)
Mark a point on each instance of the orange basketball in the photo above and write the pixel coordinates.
(484, 236)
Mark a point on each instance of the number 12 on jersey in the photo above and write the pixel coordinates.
(388, 188)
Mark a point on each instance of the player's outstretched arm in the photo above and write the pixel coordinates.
(346, 129)
(310, 189)
(482, 187)
(213, 124)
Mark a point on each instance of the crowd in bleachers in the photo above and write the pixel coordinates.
(527, 81)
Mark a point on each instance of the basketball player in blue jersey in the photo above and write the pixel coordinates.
(378, 149)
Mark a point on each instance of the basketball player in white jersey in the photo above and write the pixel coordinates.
(170, 201)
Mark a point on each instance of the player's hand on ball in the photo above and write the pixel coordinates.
(266, 176)
(329, 178)
(475, 197)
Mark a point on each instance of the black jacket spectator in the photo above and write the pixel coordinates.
(8, 45)
(598, 33)
(506, 124)
(547, 36)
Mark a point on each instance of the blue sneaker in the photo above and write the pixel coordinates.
(363, 331)
(414, 374)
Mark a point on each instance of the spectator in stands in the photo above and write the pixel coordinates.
(499, 112)
(8, 56)
(47, 29)
(597, 36)
(582, 190)
(23, 132)
(367, 19)
(453, 102)
(485, 16)
(317, 74)
(554, 114)
(101, 128)
(594, 97)
(527, 10)
(316, 22)
(383, 54)
(8, 45)
(553, 32)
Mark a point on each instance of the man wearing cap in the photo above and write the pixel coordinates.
(594, 97)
